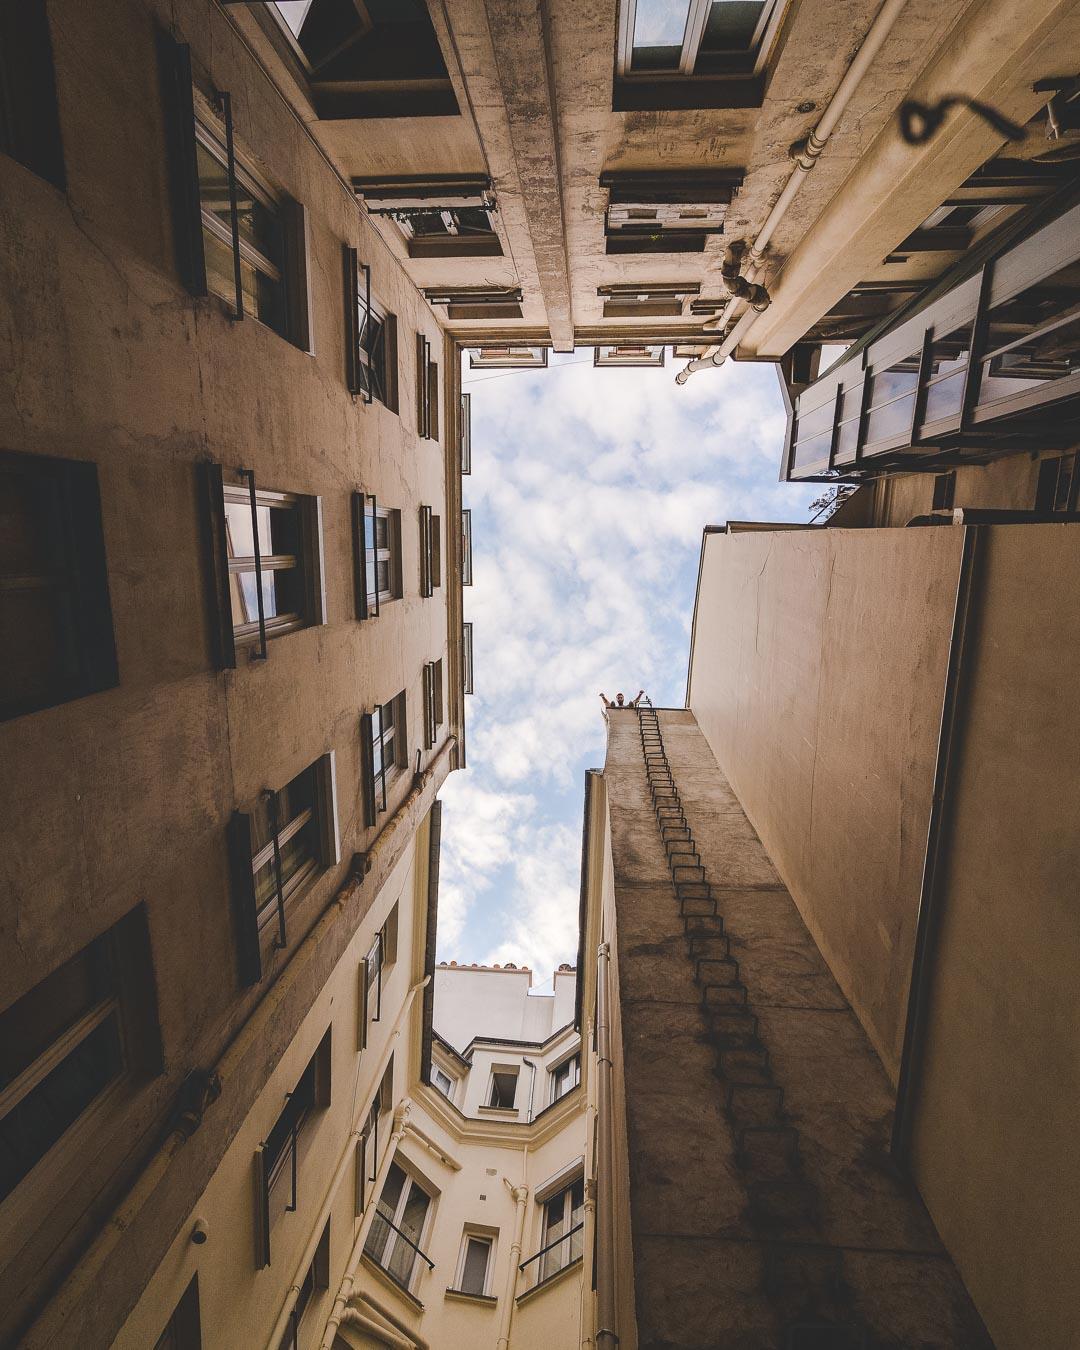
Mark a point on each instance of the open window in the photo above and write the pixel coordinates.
(661, 212)
(384, 751)
(56, 629)
(397, 1233)
(371, 355)
(362, 59)
(433, 702)
(278, 848)
(443, 1082)
(565, 1076)
(376, 554)
(427, 390)
(629, 354)
(693, 53)
(29, 117)
(277, 1158)
(430, 551)
(502, 1090)
(507, 356)
(476, 302)
(646, 300)
(67, 1044)
(265, 562)
(235, 234)
(476, 1264)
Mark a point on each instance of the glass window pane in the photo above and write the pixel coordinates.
(813, 421)
(894, 419)
(813, 451)
(1033, 339)
(945, 398)
(900, 378)
(37, 1019)
(659, 27)
(951, 351)
(474, 1271)
(847, 440)
(731, 25)
(238, 533)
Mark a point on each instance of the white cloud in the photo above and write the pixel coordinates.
(589, 492)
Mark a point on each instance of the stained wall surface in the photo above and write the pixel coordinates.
(731, 1247)
(816, 676)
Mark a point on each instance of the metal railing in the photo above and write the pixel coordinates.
(558, 1242)
(381, 1218)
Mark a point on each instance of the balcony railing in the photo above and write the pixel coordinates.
(564, 1258)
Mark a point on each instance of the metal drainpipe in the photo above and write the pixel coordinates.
(351, 1317)
(605, 1218)
(807, 157)
(520, 1196)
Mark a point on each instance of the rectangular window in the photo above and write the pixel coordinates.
(565, 1076)
(449, 232)
(316, 1280)
(467, 656)
(56, 629)
(683, 38)
(367, 1154)
(503, 1090)
(183, 1331)
(433, 702)
(69, 1039)
(278, 848)
(29, 118)
(466, 433)
(376, 554)
(629, 354)
(277, 1157)
(427, 390)
(430, 551)
(265, 548)
(664, 212)
(1033, 341)
(370, 337)
(474, 1264)
(396, 1234)
(564, 1216)
(1056, 489)
(444, 1083)
(466, 548)
(385, 749)
(508, 357)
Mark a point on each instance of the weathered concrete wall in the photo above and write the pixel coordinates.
(995, 1134)
(817, 676)
(123, 797)
(732, 1248)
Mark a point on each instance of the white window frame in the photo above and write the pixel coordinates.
(505, 1070)
(696, 19)
(393, 1239)
(564, 1190)
(574, 1079)
(451, 1082)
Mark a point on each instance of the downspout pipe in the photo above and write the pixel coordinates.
(532, 1087)
(606, 1334)
(351, 1317)
(806, 155)
(520, 1196)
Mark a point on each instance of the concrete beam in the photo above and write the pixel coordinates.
(519, 37)
(995, 55)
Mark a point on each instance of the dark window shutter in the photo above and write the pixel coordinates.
(351, 273)
(423, 420)
(248, 955)
(216, 555)
(436, 551)
(297, 295)
(390, 344)
(178, 108)
(262, 1209)
(367, 769)
(29, 117)
(433, 400)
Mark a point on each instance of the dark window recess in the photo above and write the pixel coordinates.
(453, 232)
(944, 491)
(476, 302)
(29, 118)
(64, 1042)
(264, 577)
(183, 1331)
(365, 60)
(466, 433)
(503, 1090)
(316, 1280)
(370, 338)
(276, 1159)
(276, 850)
(430, 551)
(427, 390)
(56, 628)
(1056, 489)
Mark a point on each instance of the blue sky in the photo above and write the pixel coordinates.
(589, 491)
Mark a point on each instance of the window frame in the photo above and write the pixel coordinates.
(498, 1071)
(466, 434)
(255, 922)
(466, 547)
(298, 1116)
(434, 706)
(427, 391)
(371, 366)
(392, 1239)
(316, 1282)
(482, 1238)
(467, 666)
(365, 509)
(68, 490)
(758, 50)
(377, 783)
(430, 552)
(565, 1193)
(574, 1076)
